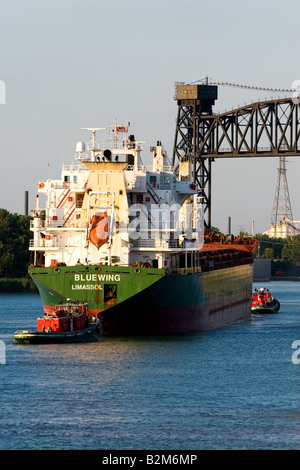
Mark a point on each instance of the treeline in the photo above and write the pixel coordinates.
(14, 244)
(20, 284)
(285, 249)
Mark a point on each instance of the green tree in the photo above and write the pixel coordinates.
(215, 230)
(265, 242)
(14, 243)
(243, 234)
(291, 249)
(269, 253)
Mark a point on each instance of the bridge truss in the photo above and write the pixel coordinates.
(262, 129)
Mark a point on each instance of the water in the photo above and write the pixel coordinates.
(235, 388)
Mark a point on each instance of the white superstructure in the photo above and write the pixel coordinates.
(140, 214)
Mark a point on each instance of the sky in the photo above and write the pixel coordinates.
(68, 64)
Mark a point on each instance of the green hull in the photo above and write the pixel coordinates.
(100, 286)
(133, 301)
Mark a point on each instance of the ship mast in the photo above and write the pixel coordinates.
(116, 129)
(92, 146)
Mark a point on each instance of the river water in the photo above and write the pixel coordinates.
(233, 388)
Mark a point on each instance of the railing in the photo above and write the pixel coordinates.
(44, 244)
(144, 168)
(283, 147)
(76, 223)
(58, 184)
(93, 146)
(155, 243)
(80, 168)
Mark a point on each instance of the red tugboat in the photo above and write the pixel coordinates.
(263, 302)
(68, 323)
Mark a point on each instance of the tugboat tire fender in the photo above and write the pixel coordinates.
(145, 265)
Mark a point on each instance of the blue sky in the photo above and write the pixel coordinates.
(69, 64)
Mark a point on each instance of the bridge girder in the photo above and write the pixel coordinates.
(262, 129)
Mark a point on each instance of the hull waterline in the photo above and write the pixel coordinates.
(170, 304)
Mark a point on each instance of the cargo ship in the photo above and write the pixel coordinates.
(128, 239)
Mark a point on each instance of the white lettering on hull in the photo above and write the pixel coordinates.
(93, 278)
(97, 277)
(87, 287)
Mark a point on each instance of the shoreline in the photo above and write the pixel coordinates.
(277, 278)
(17, 285)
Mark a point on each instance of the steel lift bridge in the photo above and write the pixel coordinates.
(261, 129)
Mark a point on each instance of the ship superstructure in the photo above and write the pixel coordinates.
(110, 208)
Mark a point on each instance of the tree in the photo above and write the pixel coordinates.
(243, 234)
(215, 230)
(269, 253)
(265, 242)
(291, 249)
(14, 243)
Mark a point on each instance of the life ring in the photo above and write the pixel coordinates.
(145, 265)
(41, 185)
(138, 271)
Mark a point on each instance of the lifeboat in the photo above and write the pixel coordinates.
(99, 230)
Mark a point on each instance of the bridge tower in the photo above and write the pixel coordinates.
(195, 102)
(261, 129)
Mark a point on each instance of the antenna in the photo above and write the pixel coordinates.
(116, 130)
(93, 146)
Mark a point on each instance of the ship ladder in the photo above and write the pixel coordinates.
(62, 197)
(154, 196)
(68, 214)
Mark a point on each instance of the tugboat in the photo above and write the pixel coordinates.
(68, 323)
(263, 302)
